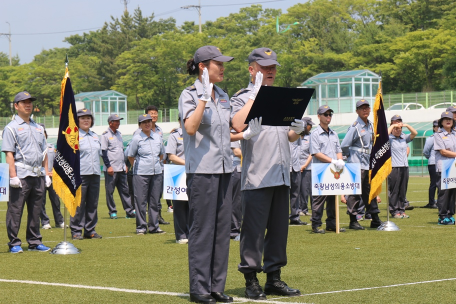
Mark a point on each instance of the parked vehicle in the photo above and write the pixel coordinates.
(442, 105)
(406, 106)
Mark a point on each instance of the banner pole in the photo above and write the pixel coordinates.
(65, 225)
(337, 215)
(388, 202)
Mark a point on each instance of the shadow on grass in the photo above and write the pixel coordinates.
(237, 292)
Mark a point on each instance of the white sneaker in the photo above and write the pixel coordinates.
(182, 241)
(170, 209)
(47, 226)
(237, 238)
(62, 225)
(301, 213)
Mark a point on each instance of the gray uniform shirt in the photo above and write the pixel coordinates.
(176, 144)
(305, 151)
(236, 160)
(146, 150)
(428, 150)
(265, 157)
(357, 143)
(295, 151)
(399, 150)
(208, 150)
(32, 142)
(51, 156)
(443, 141)
(113, 143)
(90, 151)
(324, 142)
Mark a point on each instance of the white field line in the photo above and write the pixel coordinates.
(164, 293)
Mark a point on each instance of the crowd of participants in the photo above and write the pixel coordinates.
(246, 182)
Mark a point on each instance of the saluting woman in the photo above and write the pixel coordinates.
(145, 153)
(205, 112)
(86, 216)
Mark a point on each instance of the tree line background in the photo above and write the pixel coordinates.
(412, 42)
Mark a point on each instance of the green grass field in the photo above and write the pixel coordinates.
(370, 260)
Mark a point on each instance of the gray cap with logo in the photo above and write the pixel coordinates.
(451, 109)
(84, 112)
(308, 120)
(263, 56)
(362, 102)
(446, 114)
(396, 117)
(435, 123)
(323, 109)
(210, 52)
(114, 117)
(144, 117)
(23, 96)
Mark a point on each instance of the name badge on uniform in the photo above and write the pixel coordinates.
(180, 138)
(20, 129)
(223, 100)
(111, 138)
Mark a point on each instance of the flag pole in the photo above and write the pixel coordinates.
(337, 215)
(65, 247)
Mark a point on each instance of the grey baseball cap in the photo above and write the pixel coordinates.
(446, 114)
(324, 109)
(84, 112)
(396, 117)
(210, 52)
(435, 123)
(362, 102)
(144, 117)
(308, 120)
(113, 117)
(263, 56)
(451, 109)
(23, 96)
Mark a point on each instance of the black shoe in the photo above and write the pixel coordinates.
(158, 231)
(355, 226)
(297, 222)
(334, 229)
(376, 224)
(316, 230)
(77, 237)
(201, 298)
(409, 207)
(93, 235)
(276, 286)
(253, 289)
(221, 297)
(161, 220)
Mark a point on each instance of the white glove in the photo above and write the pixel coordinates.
(257, 85)
(48, 181)
(207, 86)
(336, 163)
(253, 129)
(297, 126)
(15, 182)
(341, 163)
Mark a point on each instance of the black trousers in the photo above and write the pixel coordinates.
(86, 216)
(397, 189)
(236, 213)
(209, 201)
(354, 201)
(433, 184)
(264, 229)
(32, 194)
(318, 205)
(306, 190)
(180, 215)
(119, 181)
(55, 203)
(446, 199)
(295, 195)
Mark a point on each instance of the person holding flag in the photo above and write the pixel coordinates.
(356, 146)
(24, 145)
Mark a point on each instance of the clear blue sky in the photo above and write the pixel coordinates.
(47, 16)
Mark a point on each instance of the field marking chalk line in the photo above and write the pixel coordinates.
(164, 293)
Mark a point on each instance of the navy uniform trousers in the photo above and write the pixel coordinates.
(445, 200)
(318, 204)
(210, 200)
(86, 216)
(306, 190)
(236, 214)
(354, 201)
(55, 203)
(31, 193)
(147, 189)
(265, 209)
(295, 195)
(119, 180)
(397, 188)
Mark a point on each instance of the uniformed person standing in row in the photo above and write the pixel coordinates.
(265, 184)
(305, 160)
(145, 153)
(325, 148)
(236, 214)
(115, 168)
(176, 155)
(295, 181)
(398, 178)
(445, 149)
(205, 112)
(53, 197)
(86, 216)
(24, 145)
(357, 146)
(429, 153)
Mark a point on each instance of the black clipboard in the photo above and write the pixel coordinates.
(280, 106)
